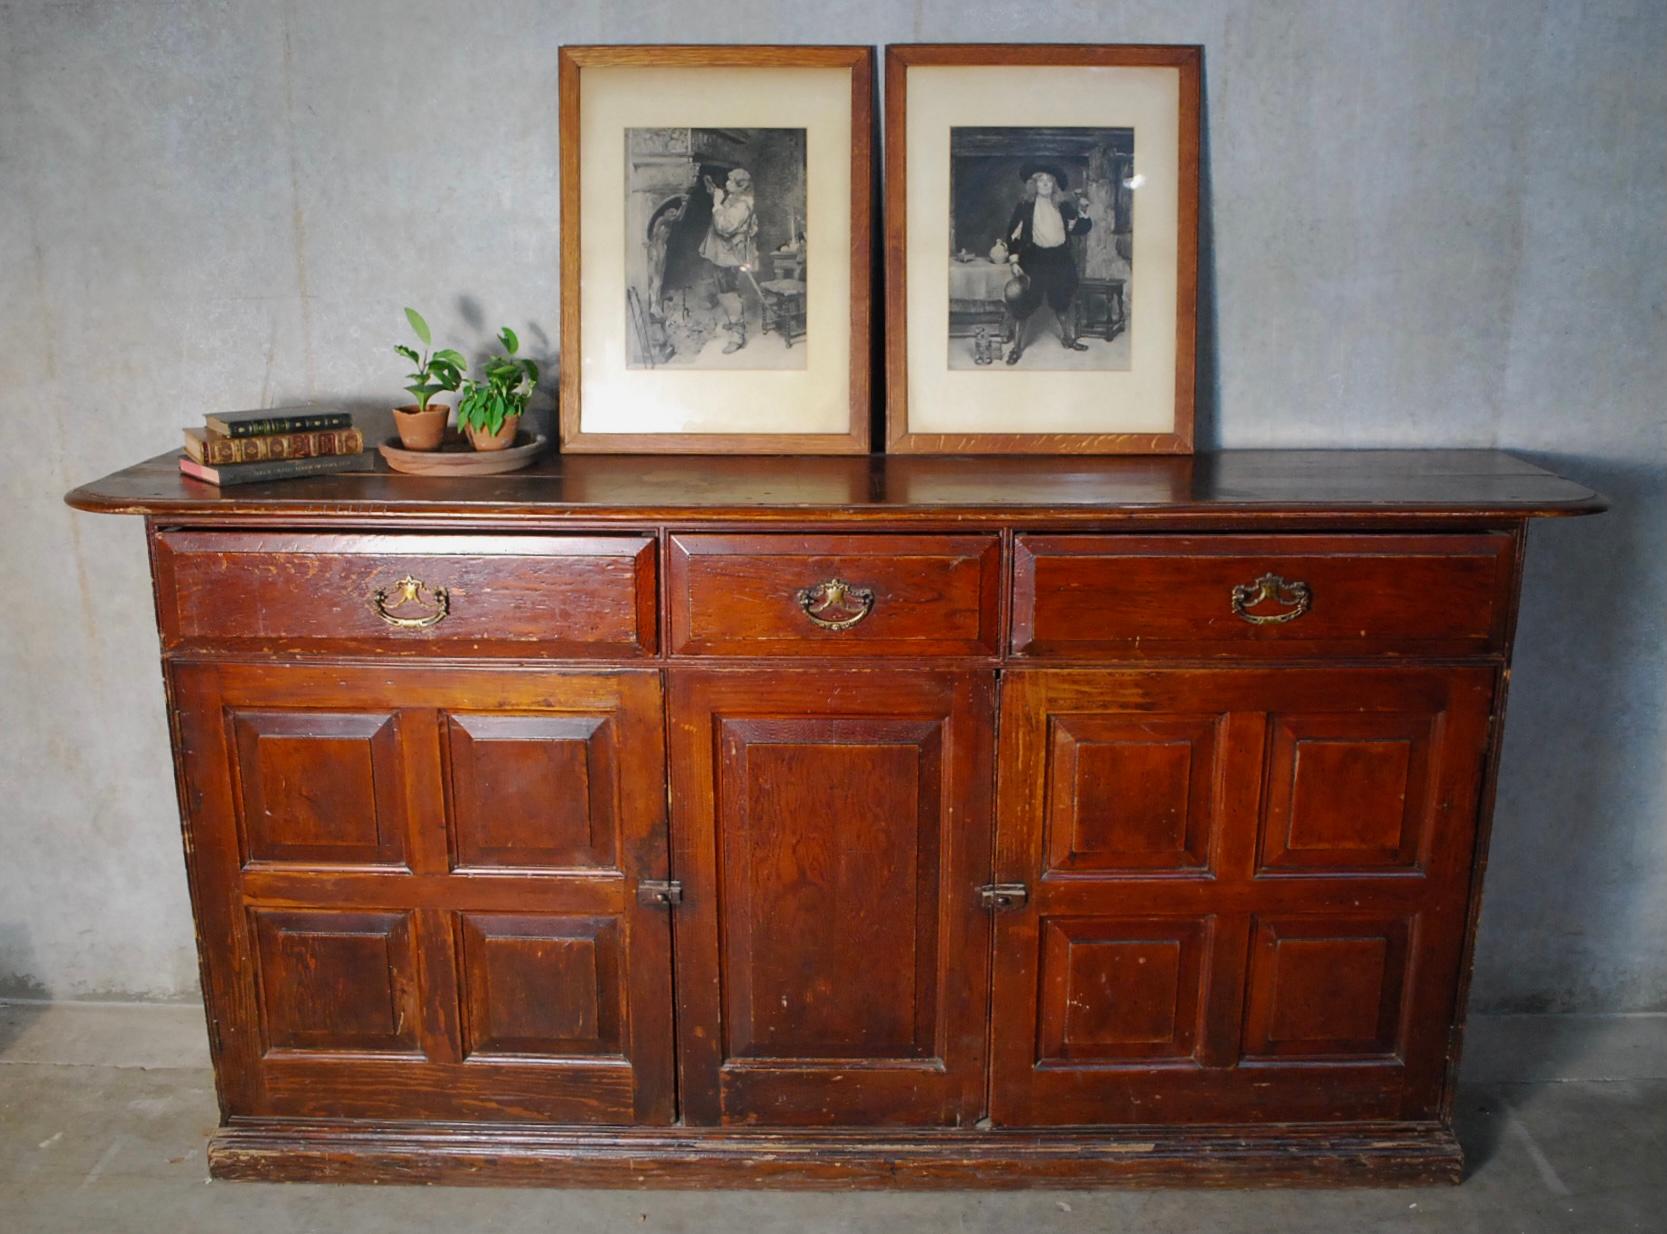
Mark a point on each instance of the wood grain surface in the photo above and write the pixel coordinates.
(1226, 488)
(1057, 873)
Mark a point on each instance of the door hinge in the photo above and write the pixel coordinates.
(659, 894)
(1002, 895)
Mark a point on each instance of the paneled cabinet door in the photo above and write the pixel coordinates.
(1247, 892)
(417, 890)
(830, 828)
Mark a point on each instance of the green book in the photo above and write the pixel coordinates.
(265, 421)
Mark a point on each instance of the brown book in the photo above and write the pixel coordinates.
(207, 446)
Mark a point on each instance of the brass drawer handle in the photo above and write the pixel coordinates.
(851, 604)
(410, 591)
(1271, 587)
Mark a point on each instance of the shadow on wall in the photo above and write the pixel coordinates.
(1477, 1124)
(1576, 879)
(376, 418)
(1207, 381)
(1569, 895)
(17, 981)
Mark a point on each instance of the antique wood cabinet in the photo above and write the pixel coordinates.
(837, 822)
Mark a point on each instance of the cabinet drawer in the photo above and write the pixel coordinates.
(834, 595)
(1137, 597)
(499, 595)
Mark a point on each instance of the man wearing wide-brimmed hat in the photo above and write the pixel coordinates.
(731, 247)
(1039, 242)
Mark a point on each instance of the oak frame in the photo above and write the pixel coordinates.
(571, 61)
(1188, 60)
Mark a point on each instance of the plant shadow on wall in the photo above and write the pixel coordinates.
(535, 345)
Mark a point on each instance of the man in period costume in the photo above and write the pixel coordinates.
(1039, 248)
(731, 247)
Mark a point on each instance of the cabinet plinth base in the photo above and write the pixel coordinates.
(526, 1155)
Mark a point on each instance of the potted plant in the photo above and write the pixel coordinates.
(490, 408)
(422, 425)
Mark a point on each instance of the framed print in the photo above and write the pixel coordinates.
(1041, 248)
(715, 256)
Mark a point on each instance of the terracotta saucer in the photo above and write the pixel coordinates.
(456, 457)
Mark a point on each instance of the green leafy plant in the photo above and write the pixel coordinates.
(442, 371)
(507, 382)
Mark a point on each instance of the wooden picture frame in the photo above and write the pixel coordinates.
(1138, 409)
(660, 380)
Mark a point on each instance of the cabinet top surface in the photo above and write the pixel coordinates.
(1461, 484)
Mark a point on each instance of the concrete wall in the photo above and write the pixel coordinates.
(1428, 224)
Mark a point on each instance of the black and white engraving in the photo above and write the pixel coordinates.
(1040, 237)
(715, 272)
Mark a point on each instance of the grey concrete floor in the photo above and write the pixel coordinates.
(104, 1111)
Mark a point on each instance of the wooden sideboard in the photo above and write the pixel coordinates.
(841, 821)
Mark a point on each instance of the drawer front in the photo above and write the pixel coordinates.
(499, 595)
(834, 595)
(1141, 597)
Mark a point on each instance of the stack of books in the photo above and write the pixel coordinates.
(275, 443)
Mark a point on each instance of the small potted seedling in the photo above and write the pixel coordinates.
(422, 425)
(491, 406)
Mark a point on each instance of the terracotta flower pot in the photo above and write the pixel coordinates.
(501, 440)
(421, 430)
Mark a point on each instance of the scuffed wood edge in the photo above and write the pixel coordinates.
(1310, 1155)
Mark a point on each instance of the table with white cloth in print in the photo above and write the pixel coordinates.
(975, 296)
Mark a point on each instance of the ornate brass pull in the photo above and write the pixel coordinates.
(849, 604)
(1271, 587)
(410, 591)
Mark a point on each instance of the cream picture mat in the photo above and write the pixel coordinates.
(1002, 400)
(814, 399)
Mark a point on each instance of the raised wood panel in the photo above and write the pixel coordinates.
(531, 791)
(1121, 988)
(1317, 987)
(337, 981)
(509, 595)
(540, 985)
(738, 595)
(1348, 791)
(1131, 792)
(1135, 597)
(318, 787)
(429, 990)
(831, 882)
(1327, 986)
(830, 829)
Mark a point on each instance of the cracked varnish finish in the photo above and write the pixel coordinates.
(428, 860)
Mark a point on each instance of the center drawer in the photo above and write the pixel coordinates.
(834, 595)
(411, 594)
